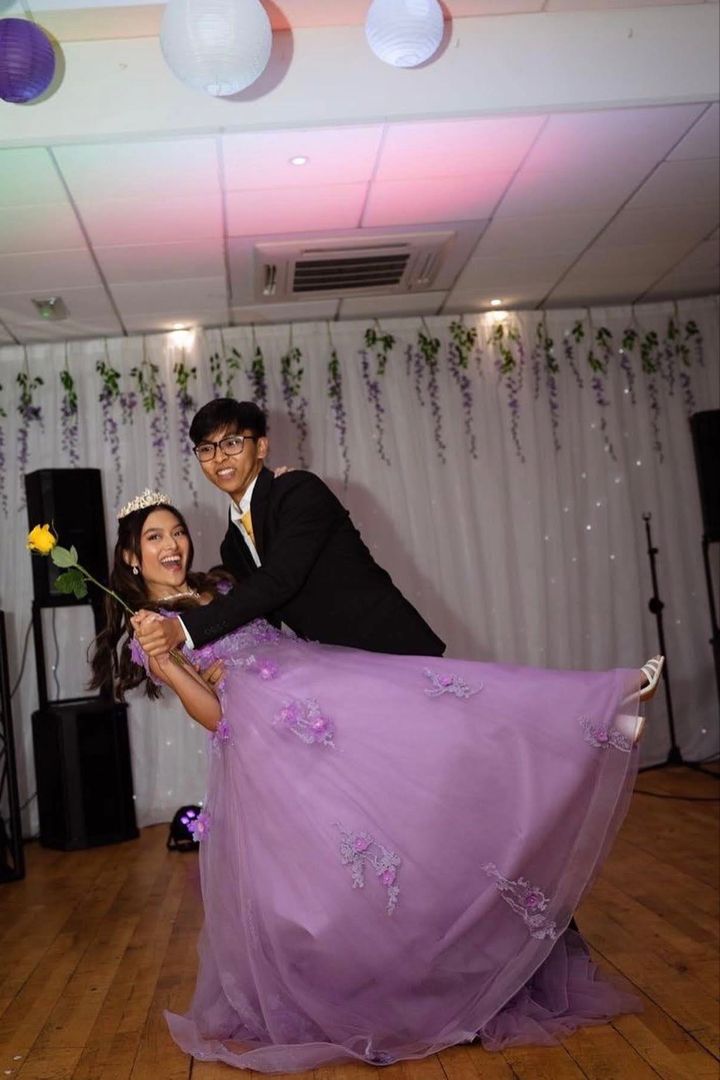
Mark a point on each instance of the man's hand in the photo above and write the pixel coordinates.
(213, 674)
(282, 469)
(157, 634)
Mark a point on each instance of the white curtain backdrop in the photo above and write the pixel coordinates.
(541, 561)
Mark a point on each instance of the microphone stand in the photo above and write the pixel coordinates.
(656, 605)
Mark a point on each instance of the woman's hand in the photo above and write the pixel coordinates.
(282, 469)
(157, 634)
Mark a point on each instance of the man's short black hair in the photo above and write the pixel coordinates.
(229, 415)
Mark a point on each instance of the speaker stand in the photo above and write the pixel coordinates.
(12, 857)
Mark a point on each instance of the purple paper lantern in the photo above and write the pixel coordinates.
(27, 61)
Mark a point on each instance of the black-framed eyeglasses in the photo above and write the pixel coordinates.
(230, 446)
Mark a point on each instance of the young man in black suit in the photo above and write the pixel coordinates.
(296, 554)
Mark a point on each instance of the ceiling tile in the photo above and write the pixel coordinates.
(308, 310)
(47, 272)
(617, 291)
(534, 236)
(603, 5)
(149, 169)
(358, 307)
(703, 139)
(189, 317)
(570, 188)
(90, 315)
(295, 210)
(170, 298)
(148, 221)
(680, 184)
(164, 262)
(45, 227)
(492, 277)
(641, 261)
(599, 138)
(341, 155)
(28, 177)
(685, 224)
(420, 202)
(456, 147)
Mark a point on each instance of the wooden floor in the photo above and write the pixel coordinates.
(95, 944)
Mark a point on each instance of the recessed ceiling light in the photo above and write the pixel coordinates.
(495, 303)
(52, 308)
(299, 160)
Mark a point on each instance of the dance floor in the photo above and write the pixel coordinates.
(95, 944)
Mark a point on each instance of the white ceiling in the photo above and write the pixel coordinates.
(137, 229)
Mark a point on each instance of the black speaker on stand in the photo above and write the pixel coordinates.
(81, 745)
(705, 427)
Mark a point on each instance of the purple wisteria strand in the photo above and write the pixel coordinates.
(414, 367)
(570, 339)
(153, 398)
(69, 416)
(429, 349)
(291, 380)
(694, 338)
(463, 342)
(381, 345)
(691, 343)
(552, 369)
(3, 460)
(670, 355)
(108, 396)
(650, 360)
(598, 357)
(628, 344)
(510, 368)
(30, 413)
(233, 365)
(128, 402)
(184, 376)
(337, 407)
(216, 377)
(258, 378)
(536, 359)
(682, 356)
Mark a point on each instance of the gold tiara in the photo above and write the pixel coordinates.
(140, 502)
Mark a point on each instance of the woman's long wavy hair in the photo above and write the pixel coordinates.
(113, 670)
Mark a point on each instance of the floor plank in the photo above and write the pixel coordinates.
(95, 945)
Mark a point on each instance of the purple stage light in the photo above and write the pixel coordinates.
(27, 61)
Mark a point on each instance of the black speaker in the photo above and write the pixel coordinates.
(84, 778)
(705, 428)
(71, 501)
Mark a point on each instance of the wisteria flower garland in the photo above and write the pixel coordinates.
(382, 345)
(3, 462)
(69, 416)
(678, 343)
(184, 376)
(429, 349)
(109, 394)
(154, 402)
(223, 371)
(575, 336)
(628, 343)
(598, 362)
(650, 360)
(291, 380)
(537, 354)
(258, 378)
(216, 375)
(415, 367)
(510, 367)
(552, 369)
(30, 413)
(463, 343)
(337, 406)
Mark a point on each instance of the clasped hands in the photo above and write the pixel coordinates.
(159, 635)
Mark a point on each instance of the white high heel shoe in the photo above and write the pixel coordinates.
(632, 726)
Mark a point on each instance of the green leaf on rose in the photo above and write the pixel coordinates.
(62, 557)
(72, 581)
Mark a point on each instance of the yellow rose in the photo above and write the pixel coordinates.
(41, 539)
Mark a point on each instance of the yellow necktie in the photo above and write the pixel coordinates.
(246, 522)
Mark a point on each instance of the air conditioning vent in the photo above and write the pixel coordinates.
(355, 262)
(365, 272)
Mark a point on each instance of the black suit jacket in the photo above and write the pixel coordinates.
(317, 576)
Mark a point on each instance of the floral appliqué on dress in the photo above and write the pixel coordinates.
(220, 736)
(305, 719)
(449, 684)
(604, 737)
(526, 900)
(197, 824)
(360, 848)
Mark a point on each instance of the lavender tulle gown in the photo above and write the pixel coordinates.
(392, 849)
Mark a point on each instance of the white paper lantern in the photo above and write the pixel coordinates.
(218, 46)
(404, 33)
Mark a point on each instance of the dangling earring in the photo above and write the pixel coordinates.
(135, 571)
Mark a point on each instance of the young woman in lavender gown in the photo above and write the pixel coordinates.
(392, 846)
